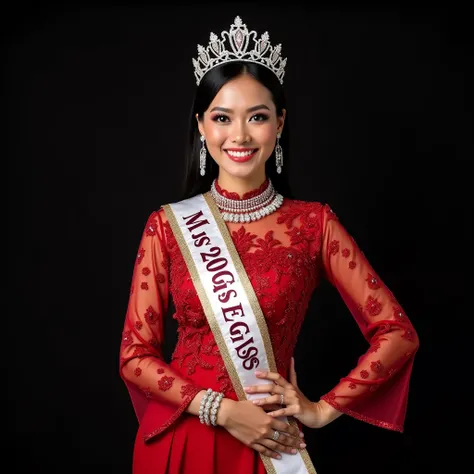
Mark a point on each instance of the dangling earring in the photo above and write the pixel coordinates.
(279, 154)
(202, 157)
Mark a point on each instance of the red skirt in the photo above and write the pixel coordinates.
(189, 447)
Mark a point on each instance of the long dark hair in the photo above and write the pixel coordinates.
(209, 86)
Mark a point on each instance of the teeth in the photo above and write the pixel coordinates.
(239, 153)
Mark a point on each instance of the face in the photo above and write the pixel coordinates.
(240, 127)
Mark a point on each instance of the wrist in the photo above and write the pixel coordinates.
(198, 404)
(224, 411)
(329, 413)
(193, 407)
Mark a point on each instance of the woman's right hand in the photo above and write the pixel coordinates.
(252, 426)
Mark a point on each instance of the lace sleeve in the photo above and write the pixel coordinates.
(376, 390)
(153, 385)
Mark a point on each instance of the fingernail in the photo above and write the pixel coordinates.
(258, 372)
(302, 445)
(301, 434)
(256, 402)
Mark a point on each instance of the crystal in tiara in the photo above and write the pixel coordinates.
(261, 52)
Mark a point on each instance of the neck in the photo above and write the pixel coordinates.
(240, 186)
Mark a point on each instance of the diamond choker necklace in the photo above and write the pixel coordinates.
(247, 210)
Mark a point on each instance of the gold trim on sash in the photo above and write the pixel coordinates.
(252, 297)
(205, 303)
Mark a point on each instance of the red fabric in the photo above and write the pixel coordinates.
(285, 255)
(376, 390)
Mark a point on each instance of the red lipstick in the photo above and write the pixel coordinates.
(244, 158)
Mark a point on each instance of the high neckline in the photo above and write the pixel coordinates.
(247, 209)
(249, 194)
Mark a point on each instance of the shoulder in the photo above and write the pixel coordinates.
(155, 217)
(310, 213)
(300, 204)
(307, 207)
(155, 225)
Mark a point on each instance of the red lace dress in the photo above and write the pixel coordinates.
(285, 255)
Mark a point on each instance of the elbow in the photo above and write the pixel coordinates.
(131, 367)
(417, 341)
(412, 336)
(124, 374)
(128, 369)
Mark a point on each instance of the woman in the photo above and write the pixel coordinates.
(241, 262)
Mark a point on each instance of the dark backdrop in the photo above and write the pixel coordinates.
(97, 103)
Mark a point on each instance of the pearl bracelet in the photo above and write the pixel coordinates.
(210, 404)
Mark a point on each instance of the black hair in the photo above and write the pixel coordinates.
(208, 88)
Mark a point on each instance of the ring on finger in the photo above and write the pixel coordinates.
(281, 399)
(276, 435)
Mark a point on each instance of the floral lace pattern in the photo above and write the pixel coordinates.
(284, 254)
(392, 338)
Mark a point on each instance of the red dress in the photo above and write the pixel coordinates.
(285, 255)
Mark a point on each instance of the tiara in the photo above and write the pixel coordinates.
(239, 38)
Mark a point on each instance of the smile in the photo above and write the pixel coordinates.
(241, 155)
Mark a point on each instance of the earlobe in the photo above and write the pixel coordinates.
(281, 121)
(199, 123)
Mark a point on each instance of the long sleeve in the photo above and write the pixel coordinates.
(376, 390)
(152, 384)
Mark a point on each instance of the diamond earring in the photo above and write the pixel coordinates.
(278, 154)
(202, 157)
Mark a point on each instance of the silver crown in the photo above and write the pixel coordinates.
(261, 52)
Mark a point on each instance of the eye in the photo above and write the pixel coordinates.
(220, 118)
(260, 117)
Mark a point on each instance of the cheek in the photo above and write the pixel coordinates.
(266, 135)
(215, 135)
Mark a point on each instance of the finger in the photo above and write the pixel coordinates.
(279, 412)
(289, 410)
(269, 388)
(293, 378)
(284, 444)
(275, 376)
(265, 451)
(285, 428)
(273, 399)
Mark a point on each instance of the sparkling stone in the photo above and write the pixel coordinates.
(238, 39)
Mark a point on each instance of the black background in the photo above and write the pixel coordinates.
(97, 103)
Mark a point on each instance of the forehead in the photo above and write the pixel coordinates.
(241, 93)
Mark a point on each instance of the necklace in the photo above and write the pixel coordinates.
(247, 210)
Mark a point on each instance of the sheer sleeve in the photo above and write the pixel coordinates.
(153, 385)
(376, 390)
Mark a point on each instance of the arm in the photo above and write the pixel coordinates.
(153, 385)
(376, 390)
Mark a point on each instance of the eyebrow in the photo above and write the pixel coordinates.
(251, 109)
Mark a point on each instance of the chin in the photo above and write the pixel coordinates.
(240, 171)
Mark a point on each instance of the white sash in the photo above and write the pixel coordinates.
(230, 305)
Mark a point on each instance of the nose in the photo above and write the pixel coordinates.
(241, 134)
(241, 139)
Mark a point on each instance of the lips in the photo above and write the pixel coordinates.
(241, 155)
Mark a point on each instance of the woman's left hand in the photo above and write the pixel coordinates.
(297, 405)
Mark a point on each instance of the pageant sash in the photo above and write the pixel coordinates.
(230, 305)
